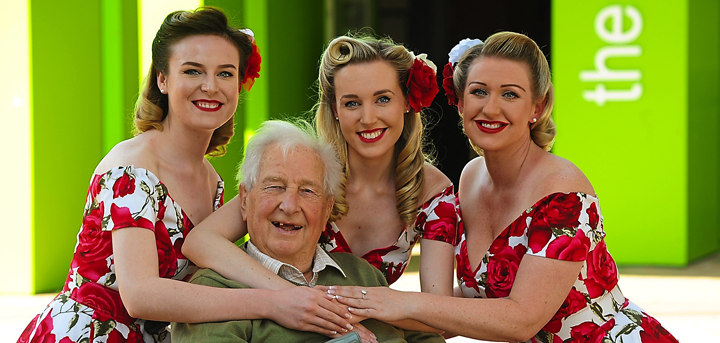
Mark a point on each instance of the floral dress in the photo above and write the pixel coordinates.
(436, 220)
(564, 226)
(89, 308)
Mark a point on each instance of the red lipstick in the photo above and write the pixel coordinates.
(371, 140)
(209, 105)
(485, 129)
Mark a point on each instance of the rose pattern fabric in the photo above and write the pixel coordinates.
(564, 226)
(436, 220)
(89, 308)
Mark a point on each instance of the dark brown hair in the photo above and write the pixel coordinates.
(152, 106)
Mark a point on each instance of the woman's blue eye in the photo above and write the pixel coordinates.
(225, 74)
(511, 95)
(192, 72)
(383, 99)
(478, 91)
(351, 104)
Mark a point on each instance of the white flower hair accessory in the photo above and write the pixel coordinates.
(247, 32)
(424, 58)
(459, 49)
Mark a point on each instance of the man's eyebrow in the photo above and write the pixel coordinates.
(308, 182)
(273, 178)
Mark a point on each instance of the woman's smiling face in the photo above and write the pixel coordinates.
(202, 81)
(370, 107)
(497, 105)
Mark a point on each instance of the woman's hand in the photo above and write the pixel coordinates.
(310, 309)
(381, 303)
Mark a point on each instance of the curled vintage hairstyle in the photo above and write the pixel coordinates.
(346, 50)
(152, 106)
(288, 136)
(516, 47)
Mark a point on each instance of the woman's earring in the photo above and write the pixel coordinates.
(534, 120)
(336, 118)
(162, 91)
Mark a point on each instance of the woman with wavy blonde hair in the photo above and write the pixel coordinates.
(372, 92)
(531, 240)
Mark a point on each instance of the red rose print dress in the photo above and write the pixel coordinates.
(89, 308)
(436, 220)
(565, 226)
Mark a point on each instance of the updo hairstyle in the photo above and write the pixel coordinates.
(348, 50)
(152, 106)
(515, 47)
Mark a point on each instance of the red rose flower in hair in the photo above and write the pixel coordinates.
(448, 84)
(252, 69)
(421, 84)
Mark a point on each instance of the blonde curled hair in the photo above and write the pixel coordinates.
(347, 50)
(515, 47)
(151, 107)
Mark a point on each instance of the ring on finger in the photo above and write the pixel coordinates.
(364, 292)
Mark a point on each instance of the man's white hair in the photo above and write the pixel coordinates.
(288, 136)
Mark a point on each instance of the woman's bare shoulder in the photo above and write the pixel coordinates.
(435, 182)
(471, 171)
(563, 176)
(131, 152)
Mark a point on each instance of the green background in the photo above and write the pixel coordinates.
(654, 161)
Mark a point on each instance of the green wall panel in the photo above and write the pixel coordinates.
(289, 35)
(67, 129)
(703, 142)
(628, 116)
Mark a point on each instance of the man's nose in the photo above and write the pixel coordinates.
(289, 202)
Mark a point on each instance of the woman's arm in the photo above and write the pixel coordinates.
(540, 287)
(436, 267)
(146, 295)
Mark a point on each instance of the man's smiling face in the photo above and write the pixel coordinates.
(287, 208)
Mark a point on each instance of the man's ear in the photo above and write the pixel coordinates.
(242, 193)
(329, 207)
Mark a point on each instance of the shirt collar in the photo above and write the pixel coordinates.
(289, 272)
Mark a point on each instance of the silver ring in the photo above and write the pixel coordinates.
(363, 293)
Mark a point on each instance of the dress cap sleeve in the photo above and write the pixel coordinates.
(128, 197)
(437, 219)
(564, 226)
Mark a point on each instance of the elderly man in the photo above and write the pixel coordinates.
(289, 180)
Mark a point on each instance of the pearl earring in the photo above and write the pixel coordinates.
(336, 118)
(534, 120)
